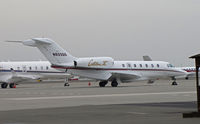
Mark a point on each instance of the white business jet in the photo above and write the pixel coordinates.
(12, 73)
(103, 69)
(191, 71)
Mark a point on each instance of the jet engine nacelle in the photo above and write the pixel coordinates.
(94, 62)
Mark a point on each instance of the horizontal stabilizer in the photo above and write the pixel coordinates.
(33, 42)
(15, 41)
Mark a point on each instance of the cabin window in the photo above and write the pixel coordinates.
(41, 67)
(146, 65)
(152, 65)
(30, 68)
(158, 65)
(123, 65)
(140, 65)
(35, 67)
(129, 65)
(47, 67)
(135, 65)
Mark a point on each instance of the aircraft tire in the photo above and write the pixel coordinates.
(114, 83)
(4, 85)
(174, 83)
(11, 85)
(66, 84)
(103, 83)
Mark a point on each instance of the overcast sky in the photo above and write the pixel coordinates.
(167, 30)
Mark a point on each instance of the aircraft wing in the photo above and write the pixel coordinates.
(20, 78)
(15, 77)
(125, 76)
(92, 74)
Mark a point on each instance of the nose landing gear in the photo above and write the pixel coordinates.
(174, 81)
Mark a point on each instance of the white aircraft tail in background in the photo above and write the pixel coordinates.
(104, 68)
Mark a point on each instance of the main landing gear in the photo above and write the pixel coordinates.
(12, 85)
(5, 85)
(103, 83)
(114, 83)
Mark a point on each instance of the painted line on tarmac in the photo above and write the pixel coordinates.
(137, 113)
(98, 96)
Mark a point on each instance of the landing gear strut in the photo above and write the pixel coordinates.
(114, 83)
(4, 85)
(103, 83)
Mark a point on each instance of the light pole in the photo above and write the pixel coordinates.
(197, 64)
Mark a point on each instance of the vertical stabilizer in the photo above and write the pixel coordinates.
(147, 58)
(51, 50)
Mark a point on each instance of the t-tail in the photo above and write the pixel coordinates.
(51, 50)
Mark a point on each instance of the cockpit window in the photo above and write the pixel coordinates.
(170, 65)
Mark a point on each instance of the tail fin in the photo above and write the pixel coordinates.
(51, 50)
(147, 58)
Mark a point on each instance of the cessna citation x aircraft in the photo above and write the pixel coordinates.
(14, 72)
(103, 69)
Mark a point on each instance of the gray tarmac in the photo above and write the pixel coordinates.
(137, 102)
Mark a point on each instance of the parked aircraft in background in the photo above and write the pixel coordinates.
(190, 70)
(103, 69)
(12, 73)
